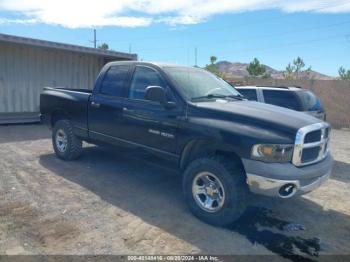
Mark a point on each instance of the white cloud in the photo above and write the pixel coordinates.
(134, 13)
(6, 21)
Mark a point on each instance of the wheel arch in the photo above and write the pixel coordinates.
(58, 114)
(205, 148)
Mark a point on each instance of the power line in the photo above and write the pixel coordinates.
(267, 50)
(259, 36)
(229, 27)
(264, 50)
(294, 43)
(285, 45)
(259, 21)
(251, 37)
(302, 30)
(265, 36)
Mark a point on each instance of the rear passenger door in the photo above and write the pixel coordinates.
(106, 104)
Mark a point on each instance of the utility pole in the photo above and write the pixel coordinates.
(188, 56)
(95, 38)
(195, 56)
(129, 48)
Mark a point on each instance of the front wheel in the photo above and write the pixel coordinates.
(66, 145)
(215, 190)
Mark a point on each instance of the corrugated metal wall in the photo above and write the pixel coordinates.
(25, 71)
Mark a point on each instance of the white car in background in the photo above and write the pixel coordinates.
(294, 98)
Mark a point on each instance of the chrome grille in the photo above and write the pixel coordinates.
(313, 136)
(311, 144)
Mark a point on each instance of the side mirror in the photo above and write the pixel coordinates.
(157, 94)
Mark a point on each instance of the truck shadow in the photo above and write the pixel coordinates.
(150, 188)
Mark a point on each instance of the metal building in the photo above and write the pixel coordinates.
(28, 65)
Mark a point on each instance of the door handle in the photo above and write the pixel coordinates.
(94, 104)
(126, 110)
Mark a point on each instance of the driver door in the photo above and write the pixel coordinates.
(145, 122)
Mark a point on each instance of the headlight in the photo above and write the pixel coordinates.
(272, 153)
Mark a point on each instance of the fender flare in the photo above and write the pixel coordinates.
(201, 147)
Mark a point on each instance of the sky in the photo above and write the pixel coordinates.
(274, 31)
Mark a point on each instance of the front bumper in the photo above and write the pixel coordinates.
(268, 178)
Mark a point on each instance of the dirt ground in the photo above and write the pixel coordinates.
(122, 201)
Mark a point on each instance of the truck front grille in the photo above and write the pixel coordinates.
(311, 144)
(313, 136)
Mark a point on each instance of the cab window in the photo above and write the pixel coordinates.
(114, 81)
(142, 78)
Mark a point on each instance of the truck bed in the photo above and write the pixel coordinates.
(88, 91)
(73, 102)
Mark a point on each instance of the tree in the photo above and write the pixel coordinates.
(288, 74)
(298, 65)
(256, 69)
(213, 59)
(344, 74)
(213, 68)
(309, 73)
(293, 70)
(266, 76)
(103, 46)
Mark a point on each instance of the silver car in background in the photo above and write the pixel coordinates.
(294, 98)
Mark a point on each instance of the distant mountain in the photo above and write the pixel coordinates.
(238, 70)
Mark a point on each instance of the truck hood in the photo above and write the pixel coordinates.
(260, 113)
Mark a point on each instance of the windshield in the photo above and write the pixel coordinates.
(196, 83)
(309, 102)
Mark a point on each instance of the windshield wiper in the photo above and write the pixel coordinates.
(210, 96)
(239, 97)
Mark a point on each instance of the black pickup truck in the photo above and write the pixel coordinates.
(225, 146)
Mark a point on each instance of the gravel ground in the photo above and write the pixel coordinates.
(122, 201)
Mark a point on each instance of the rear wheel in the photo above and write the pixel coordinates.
(66, 145)
(215, 190)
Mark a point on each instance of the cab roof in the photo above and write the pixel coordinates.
(281, 88)
(159, 64)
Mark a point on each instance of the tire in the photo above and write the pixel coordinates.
(234, 194)
(63, 135)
